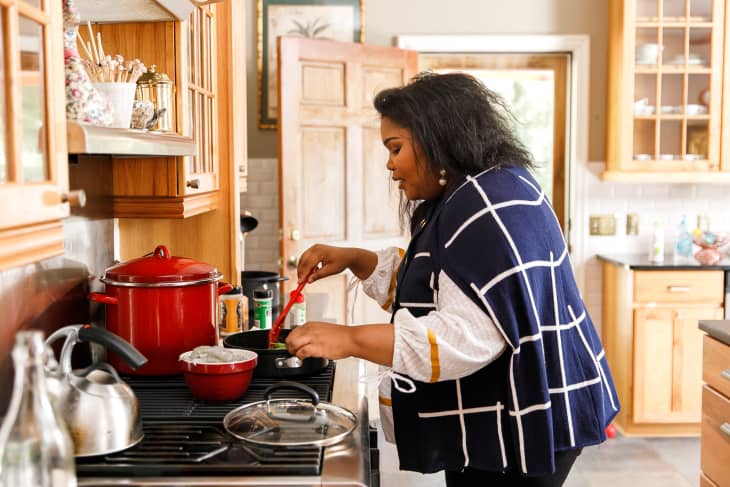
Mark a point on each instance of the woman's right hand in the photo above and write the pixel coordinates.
(333, 259)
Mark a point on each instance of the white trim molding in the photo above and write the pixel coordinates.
(578, 46)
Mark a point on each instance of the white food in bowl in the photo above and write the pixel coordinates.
(207, 354)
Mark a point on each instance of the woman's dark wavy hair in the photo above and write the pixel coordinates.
(461, 125)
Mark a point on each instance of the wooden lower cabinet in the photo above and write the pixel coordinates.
(668, 364)
(654, 347)
(715, 449)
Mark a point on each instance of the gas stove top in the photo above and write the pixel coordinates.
(185, 437)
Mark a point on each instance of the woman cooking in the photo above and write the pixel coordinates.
(499, 377)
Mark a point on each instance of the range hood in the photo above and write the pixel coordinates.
(133, 10)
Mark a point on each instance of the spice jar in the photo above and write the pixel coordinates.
(263, 299)
(231, 312)
(157, 88)
(298, 313)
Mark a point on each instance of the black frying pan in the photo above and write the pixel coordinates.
(278, 363)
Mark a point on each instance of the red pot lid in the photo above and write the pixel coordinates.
(160, 267)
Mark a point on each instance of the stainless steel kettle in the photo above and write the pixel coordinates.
(100, 410)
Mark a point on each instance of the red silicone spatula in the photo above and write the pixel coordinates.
(276, 327)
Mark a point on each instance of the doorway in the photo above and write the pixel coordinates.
(567, 57)
(533, 87)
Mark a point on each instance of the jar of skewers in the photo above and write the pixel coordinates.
(113, 77)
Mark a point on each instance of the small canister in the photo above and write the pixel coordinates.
(263, 299)
(231, 312)
(157, 88)
(298, 313)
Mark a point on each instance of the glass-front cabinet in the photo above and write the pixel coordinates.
(665, 85)
(33, 164)
(201, 170)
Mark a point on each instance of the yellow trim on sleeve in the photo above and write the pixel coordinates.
(435, 366)
(385, 401)
(391, 288)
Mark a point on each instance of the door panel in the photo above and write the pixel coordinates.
(380, 209)
(374, 79)
(323, 84)
(334, 183)
(321, 195)
(653, 343)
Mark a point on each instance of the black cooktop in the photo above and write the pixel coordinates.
(184, 436)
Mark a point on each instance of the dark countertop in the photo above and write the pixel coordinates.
(719, 329)
(641, 262)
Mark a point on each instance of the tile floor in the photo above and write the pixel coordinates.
(645, 462)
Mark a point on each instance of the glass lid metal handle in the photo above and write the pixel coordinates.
(293, 412)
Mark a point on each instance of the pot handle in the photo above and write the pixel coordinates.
(224, 287)
(115, 343)
(103, 298)
(285, 384)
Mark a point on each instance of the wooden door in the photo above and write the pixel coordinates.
(334, 186)
(541, 120)
(33, 160)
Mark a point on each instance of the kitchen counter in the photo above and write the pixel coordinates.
(346, 464)
(641, 262)
(717, 329)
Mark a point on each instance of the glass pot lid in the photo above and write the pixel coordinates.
(290, 422)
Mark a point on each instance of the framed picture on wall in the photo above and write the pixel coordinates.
(338, 20)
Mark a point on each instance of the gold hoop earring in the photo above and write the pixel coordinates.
(442, 179)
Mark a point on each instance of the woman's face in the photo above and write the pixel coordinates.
(407, 163)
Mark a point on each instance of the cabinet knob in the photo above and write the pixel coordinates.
(76, 198)
(294, 235)
(193, 183)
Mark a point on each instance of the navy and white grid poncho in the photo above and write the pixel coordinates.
(496, 237)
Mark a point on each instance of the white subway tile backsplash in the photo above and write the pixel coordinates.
(665, 203)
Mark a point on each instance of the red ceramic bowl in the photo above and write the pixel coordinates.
(218, 382)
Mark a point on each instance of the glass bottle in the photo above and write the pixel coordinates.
(35, 447)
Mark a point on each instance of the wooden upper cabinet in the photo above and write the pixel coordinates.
(33, 166)
(171, 187)
(665, 106)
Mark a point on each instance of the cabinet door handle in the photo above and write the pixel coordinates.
(193, 183)
(678, 289)
(725, 428)
(725, 374)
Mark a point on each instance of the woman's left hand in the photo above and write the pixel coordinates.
(317, 339)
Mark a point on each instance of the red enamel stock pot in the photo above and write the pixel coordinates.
(162, 305)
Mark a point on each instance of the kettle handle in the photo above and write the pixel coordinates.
(81, 333)
(115, 343)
